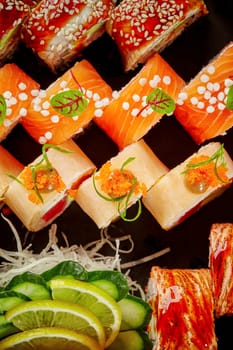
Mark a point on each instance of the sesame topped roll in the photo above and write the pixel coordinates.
(17, 89)
(59, 30)
(68, 105)
(140, 28)
(12, 15)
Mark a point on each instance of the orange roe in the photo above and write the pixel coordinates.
(46, 180)
(206, 173)
(118, 182)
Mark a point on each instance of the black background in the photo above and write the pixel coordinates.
(189, 242)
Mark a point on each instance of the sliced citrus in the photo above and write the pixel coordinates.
(92, 298)
(56, 313)
(49, 338)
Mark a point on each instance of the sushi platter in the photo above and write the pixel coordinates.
(187, 243)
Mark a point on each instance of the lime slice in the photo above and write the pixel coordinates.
(92, 298)
(55, 313)
(49, 338)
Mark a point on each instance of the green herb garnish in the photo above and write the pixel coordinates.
(160, 102)
(3, 108)
(229, 103)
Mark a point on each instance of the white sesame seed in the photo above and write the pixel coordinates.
(210, 109)
(211, 69)
(194, 100)
(55, 119)
(23, 112)
(23, 97)
(221, 106)
(136, 97)
(201, 89)
(200, 105)
(204, 78)
(135, 112)
(98, 113)
(167, 80)
(125, 106)
(48, 135)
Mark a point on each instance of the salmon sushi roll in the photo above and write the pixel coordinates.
(205, 105)
(221, 267)
(57, 31)
(17, 90)
(68, 105)
(120, 183)
(12, 15)
(141, 103)
(190, 185)
(182, 309)
(46, 187)
(9, 168)
(141, 28)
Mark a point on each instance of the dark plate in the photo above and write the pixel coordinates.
(189, 241)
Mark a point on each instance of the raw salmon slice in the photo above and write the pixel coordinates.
(131, 114)
(17, 90)
(202, 106)
(67, 106)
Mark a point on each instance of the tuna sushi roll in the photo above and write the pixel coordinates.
(141, 103)
(190, 185)
(9, 166)
(17, 90)
(221, 267)
(120, 183)
(57, 31)
(182, 309)
(45, 188)
(205, 105)
(68, 105)
(141, 28)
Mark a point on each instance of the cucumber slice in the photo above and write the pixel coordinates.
(112, 282)
(10, 298)
(66, 269)
(132, 340)
(136, 312)
(6, 328)
(31, 285)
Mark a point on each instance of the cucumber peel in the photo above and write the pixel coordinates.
(68, 269)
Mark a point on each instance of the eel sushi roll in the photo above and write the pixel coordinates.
(12, 15)
(141, 103)
(8, 166)
(17, 89)
(68, 105)
(141, 28)
(120, 183)
(205, 105)
(57, 31)
(182, 309)
(221, 267)
(46, 187)
(190, 185)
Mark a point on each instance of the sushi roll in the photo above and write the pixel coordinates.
(68, 105)
(17, 90)
(190, 185)
(9, 167)
(141, 28)
(120, 183)
(46, 187)
(12, 14)
(205, 105)
(221, 267)
(182, 309)
(141, 103)
(57, 31)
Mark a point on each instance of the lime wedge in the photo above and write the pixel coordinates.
(55, 313)
(93, 298)
(49, 338)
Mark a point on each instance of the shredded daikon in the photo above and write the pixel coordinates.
(89, 256)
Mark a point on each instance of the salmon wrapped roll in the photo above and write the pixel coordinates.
(141, 103)
(190, 185)
(205, 105)
(9, 166)
(221, 267)
(141, 28)
(120, 183)
(12, 14)
(68, 105)
(17, 90)
(57, 31)
(46, 187)
(182, 309)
